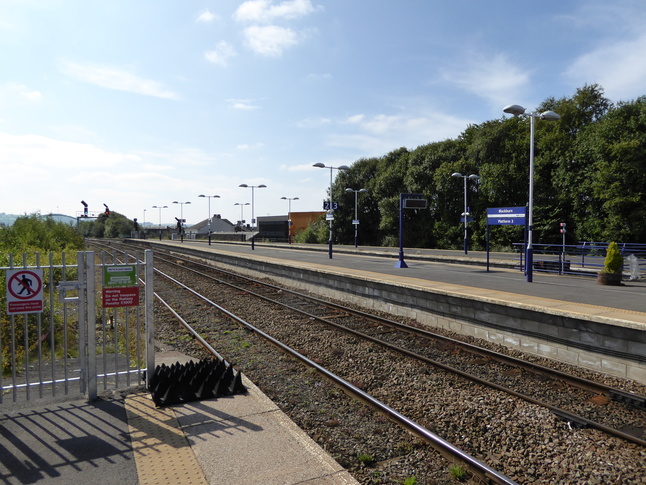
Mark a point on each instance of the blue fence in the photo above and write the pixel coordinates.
(585, 258)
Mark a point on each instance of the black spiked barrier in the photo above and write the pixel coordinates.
(194, 381)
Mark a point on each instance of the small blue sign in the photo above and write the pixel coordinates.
(507, 216)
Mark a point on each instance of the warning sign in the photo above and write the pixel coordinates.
(120, 297)
(24, 291)
(119, 275)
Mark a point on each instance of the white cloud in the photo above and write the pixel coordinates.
(494, 78)
(207, 16)
(263, 11)
(619, 68)
(117, 79)
(242, 104)
(269, 40)
(221, 54)
(11, 91)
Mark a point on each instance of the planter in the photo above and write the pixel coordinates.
(611, 279)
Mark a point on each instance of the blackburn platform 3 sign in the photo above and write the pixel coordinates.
(507, 216)
(24, 291)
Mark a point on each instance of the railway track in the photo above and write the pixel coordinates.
(405, 343)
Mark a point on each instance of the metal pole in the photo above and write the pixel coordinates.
(466, 236)
(529, 256)
(253, 221)
(330, 242)
(355, 217)
(209, 219)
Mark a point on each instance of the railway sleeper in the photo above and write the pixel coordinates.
(627, 398)
(572, 420)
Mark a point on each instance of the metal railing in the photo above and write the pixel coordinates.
(50, 340)
(586, 258)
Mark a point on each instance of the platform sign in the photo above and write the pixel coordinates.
(119, 275)
(507, 216)
(327, 207)
(24, 291)
(120, 297)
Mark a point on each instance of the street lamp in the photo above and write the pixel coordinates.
(289, 219)
(356, 217)
(160, 207)
(241, 212)
(210, 197)
(181, 218)
(465, 214)
(253, 220)
(517, 110)
(143, 226)
(330, 212)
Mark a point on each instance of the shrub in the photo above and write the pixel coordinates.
(614, 262)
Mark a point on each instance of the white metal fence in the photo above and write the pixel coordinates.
(75, 327)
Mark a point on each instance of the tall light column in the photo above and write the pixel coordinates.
(160, 207)
(241, 210)
(356, 215)
(289, 218)
(143, 226)
(517, 110)
(253, 220)
(465, 214)
(330, 214)
(210, 217)
(181, 219)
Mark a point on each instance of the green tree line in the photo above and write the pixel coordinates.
(589, 172)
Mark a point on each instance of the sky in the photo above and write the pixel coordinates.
(143, 103)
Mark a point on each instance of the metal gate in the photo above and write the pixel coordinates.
(78, 328)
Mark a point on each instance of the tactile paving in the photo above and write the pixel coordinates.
(162, 452)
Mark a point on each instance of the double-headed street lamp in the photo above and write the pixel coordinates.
(517, 110)
(465, 214)
(210, 197)
(356, 216)
(289, 218)
(330, 213)
(181, 218)
(253, 220)
(160, 207)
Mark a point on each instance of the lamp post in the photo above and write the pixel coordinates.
(160, 207)
(210, 197)
(465, 214)
(330, 214)
(289, 218)
(517, 110)
(356, 216)
(143, 226)
(181, 218)
(253, 220)
(241, 212)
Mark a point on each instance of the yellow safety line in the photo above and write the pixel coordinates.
(162, 452)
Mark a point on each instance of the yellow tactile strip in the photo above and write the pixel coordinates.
(162, 453)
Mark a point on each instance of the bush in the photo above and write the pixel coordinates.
(614, 262)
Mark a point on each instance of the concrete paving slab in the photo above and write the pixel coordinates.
(247, 440)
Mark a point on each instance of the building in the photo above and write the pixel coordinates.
(279, 229)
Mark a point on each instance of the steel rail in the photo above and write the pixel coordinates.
(635, 400)
(446, 449)
(569, 417)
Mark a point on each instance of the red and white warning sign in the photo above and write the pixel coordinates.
(24, 291)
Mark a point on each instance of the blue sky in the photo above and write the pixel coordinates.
(142, 103)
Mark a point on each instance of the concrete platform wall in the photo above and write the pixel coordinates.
(608, 347)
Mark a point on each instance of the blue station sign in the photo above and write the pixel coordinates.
(507, 216)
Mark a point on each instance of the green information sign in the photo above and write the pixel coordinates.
(119, 275)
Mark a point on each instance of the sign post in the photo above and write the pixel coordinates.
(505, 216)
